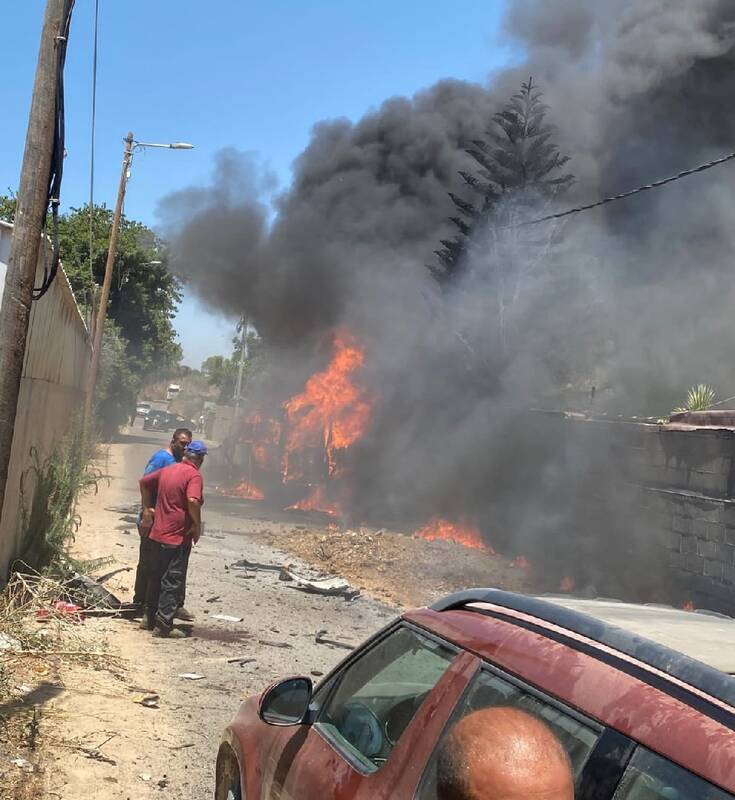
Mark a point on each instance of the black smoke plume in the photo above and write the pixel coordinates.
(638, 303)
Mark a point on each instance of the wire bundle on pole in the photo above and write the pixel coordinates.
(57, 160)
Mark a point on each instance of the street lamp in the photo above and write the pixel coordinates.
(130, 145)
(172, 146)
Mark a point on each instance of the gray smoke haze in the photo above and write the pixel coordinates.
(636, 299)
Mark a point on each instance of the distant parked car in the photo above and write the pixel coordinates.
(641, 697)
(143, 409)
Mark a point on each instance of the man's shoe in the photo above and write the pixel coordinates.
(183, 614)
(159, 632)
(148, 622)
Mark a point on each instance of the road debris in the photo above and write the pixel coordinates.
(90, 592)
(191, 676)
(97, 755)
(331, 587)
(240, 660)
(148, 700)
(227, 618)
(70, 611)
(214, 599)
(254, 566)
(319, 638)
(23, 764)
(270, 643)
(128, 508)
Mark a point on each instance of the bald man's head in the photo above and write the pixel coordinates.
(503, 754)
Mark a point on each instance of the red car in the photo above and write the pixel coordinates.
(642, 697)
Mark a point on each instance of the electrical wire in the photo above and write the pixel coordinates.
(56, 170)
(92, 140)
(647, 187)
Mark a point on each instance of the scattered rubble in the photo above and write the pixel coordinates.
(332, 587)
(319, 638)
(393, 566)
(149, 700)
(254, 566)
(227, 618)
(269, 643)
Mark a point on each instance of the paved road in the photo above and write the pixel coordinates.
(180, 739)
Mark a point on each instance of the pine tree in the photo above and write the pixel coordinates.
(519, 169)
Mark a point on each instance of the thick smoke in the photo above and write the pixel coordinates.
(636, 299)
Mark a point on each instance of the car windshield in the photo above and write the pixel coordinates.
(378, 695)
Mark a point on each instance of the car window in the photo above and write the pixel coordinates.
(651, 777)
(377, 695)
(492, 689)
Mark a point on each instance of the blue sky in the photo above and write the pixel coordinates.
(255, 76)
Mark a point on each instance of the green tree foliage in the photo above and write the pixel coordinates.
(221, 372)
(140, 339)
(144, 296)
(7, 208)
(519, 169)
(117, 385)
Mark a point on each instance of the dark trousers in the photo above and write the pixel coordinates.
(166, 583)
(187, 553)
(147, 555)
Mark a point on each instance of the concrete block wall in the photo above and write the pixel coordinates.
(680, 484)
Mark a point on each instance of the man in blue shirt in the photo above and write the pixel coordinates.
(148, 551)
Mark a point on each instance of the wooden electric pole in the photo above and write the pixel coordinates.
(99, 325)
(32, 205)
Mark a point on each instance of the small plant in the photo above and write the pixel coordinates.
(49, 524)
(700, 398)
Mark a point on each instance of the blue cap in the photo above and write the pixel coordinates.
(197, 448)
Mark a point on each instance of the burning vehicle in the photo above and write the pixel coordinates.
(300, 457)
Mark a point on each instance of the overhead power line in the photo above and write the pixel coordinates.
(614, 198)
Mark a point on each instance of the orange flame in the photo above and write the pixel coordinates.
(567, 584)
(332, 411)
(318, 501)
(460, 533)
(520, 562)
(244, 489)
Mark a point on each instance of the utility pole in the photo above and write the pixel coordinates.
(244, 325)
(99, 325)
(30, 215)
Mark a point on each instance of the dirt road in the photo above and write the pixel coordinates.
(170, 750)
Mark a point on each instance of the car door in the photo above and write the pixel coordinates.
(492, 687)
(376, 721)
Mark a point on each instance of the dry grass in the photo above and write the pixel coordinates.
(38, 639)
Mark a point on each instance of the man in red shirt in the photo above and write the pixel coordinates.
(173, 525)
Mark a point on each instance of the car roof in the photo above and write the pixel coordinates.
(626, 628)
(705, 636)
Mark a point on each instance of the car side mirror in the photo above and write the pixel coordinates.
(286, 702)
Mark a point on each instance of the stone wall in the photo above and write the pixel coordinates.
(672, 489)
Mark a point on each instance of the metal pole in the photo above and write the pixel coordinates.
(99, 325)
(241, 368)
(29, 218)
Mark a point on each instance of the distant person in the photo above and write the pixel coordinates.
(200, 426)
(146, 555)
(503, 754)
(173, 525)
